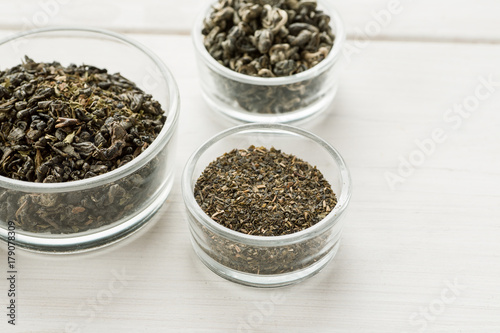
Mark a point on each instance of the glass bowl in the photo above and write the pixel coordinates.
(290, 99)
(86, 214)
(267, 261)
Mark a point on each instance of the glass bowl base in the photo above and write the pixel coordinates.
(264, 281)
(100, 240)
(237, 115)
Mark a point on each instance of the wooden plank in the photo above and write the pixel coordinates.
(434, 234)
(464, 20)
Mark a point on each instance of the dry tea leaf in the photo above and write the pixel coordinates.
(264, 192)
(60, 124)
(268, 38)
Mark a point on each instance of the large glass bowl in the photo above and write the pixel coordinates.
(267, 261)
(94, 212)
(289, 99)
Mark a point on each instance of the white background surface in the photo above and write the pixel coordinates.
(423, 256)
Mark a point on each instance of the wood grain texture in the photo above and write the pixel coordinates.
(464, 20)
(434, 234)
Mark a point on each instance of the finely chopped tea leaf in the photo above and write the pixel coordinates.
(264, 192)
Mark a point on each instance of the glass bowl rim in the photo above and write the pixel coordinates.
(158, 144)
(330, 60)
(326, 223)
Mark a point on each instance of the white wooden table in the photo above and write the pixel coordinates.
(421, 247)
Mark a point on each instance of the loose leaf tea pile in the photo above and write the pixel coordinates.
(60, 123)
(264, 192)
(268, 38)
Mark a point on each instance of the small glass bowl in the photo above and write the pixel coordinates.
(91, 213)
(290, 99)
(267, 261)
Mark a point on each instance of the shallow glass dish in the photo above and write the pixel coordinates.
(267, 261)
(244, 98)
(108, 207)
